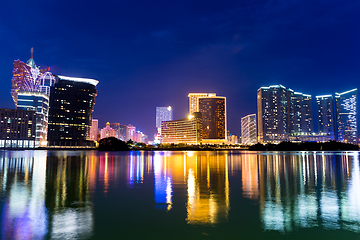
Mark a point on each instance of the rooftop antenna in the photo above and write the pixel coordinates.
(32, 52)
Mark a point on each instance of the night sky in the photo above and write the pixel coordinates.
(149, 54)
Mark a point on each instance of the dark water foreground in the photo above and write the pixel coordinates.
(179, 195)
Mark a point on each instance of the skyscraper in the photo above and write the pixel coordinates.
(94, 129)
(124, 132)
(39, 103)
(300, 113)
(30, 91)
(71, 104)
(346, 116)
(213, 111)
(325, 115)
(194, 101)
(163, 114)
(273, 119)
(248, 129)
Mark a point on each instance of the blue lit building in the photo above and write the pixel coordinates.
(346, 116)
(163, 114)
(39, 103)
(325, 115)
(300, 113)
(273, 119)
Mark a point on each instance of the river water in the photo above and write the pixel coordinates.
(179, 195)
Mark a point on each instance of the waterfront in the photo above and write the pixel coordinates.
(179, 195)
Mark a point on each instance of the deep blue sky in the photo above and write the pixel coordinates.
(149, 54)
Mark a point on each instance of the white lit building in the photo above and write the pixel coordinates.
(248, 129)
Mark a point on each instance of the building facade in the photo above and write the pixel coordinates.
(248, 129)
(300, 113)
(94, 129)
(346, 116)
(273, 118)
(124, 133)
(325, 115)
(107, 132)
(163, 114)
(213, 111)
(194, 101)
(187, 130)
(17, 128)
(38, 102)
(71, 104)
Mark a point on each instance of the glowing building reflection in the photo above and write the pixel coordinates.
(68, 197)
(24, 214)
(136, 168)
(207, 188)
(250, 176)
(163, 183)
(308, 190)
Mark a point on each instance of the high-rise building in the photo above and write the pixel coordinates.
(300, 113)
(187, 130)
(213, 111)
(131, 132)
(124, 132)
(30, 91)
(71, 104)
(273, 119)
(194, 101)
(94, 129)
(38, 102)
(248, 129)
(163, 114)
(116, 127)
(17, 128)
(346, 116)
(325, 115)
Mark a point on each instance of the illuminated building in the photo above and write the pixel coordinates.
(163, 114)
(300, 113)
(248, 129)
(131, 132)
(71, 104)
(213, 111)
(107, 131)
(140, 137)
(325, 115)
(94, 130)
(116, 127)
(272, 104)
(27, 77)
(194, 101)
(346, 122)
(124, 132)
(17, 128)
(186, 130)
(38, 102)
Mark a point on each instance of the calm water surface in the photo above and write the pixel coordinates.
(179, 195)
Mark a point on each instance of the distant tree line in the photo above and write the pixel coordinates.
(114, 144)
(305, 146)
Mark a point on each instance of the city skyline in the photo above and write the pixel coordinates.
(149, 54)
